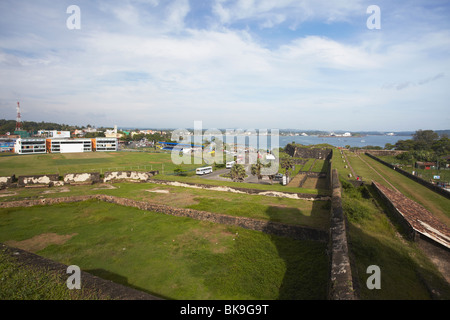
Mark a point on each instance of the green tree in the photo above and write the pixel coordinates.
(424, 139)
(405, 145)
(286, 163)
(442, 146)
(237, 172)
(256, 169)
(389, 146)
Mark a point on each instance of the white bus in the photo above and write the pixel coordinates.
(230, 164)
(204, 170)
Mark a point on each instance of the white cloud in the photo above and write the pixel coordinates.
(151, 68)
(272, 13)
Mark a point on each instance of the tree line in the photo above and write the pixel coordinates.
(426, 145)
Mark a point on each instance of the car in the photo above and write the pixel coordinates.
(279, 176)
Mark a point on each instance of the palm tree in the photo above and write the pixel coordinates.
(256, 169)
(237, 172)
(286, 163)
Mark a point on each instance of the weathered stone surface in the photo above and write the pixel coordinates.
(341, 282)
(114, 176)
(43, 180)
(6, 181)
(82, 178)
(301, 152)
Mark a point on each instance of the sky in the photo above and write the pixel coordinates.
(248, 64)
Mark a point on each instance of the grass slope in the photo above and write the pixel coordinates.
(175, 258)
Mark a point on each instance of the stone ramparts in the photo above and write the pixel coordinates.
(341, 281)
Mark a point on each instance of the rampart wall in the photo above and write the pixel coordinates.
(340, 281)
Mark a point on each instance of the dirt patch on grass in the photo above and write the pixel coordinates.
(105, 187)
(7, 194)
(177, 199)
(56, 190)
(218, 239)
(40, 242)
(158, 191)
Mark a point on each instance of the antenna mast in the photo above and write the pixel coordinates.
(18, 119)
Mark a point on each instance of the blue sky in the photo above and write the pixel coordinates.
(228, 63)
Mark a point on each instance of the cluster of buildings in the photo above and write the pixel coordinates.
(64, 145)
(57, 142)
(61, 142)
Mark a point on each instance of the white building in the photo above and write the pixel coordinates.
(30, 146)
(69, 145)
(106, 144)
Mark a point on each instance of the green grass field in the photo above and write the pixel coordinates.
(172, 257)
(291, 211)
(87, 162)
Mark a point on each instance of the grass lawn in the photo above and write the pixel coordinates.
(87, 162)
(291, 211)
(172, 257)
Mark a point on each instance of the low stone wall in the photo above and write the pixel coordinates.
(379, 152)
(341, 280)
(82, 178)
(259, 192)
(47, 180)
(417, 222)
(115, 176)
(398, 217)
(269, 227)
(6, 181)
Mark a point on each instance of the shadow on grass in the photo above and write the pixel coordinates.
(305, 263)
(119, 279)
(402, 278)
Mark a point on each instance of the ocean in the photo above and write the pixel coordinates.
(369, 140)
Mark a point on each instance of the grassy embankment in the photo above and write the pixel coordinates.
(406, 273)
